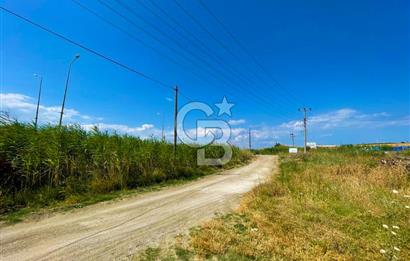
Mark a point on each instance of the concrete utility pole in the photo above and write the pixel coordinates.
(38, 100)
(250, 139)
(305, 110)
(163, 132)
(65, 90)
(175, 119)
(292, 136)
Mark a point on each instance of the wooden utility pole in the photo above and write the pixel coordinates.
(250, 139)
(175, 119)
(305, 110)
(292, 136)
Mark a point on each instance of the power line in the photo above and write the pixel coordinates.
(170, 38)
(176, 22)
(193, 18)
(224, 77)
(150, 10)
(81, 5)
(88, 49)
(163, 11)
(201, 44)
(141, 74)
(202, 47)
(196, 42)
(137, 39)
(244, 49)
(151, 35)
(208, 50)
(197, 22)
(129, 9)
(58, 35)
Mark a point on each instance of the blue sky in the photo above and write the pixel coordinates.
(347, 60)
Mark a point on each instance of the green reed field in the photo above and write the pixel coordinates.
(48, 165)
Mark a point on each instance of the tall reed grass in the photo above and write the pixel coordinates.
(52, 163)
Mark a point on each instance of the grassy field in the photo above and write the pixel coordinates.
(342, 204)
(72, 167)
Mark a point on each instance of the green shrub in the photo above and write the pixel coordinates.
(278, 148)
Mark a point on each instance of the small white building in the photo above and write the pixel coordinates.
(311, 145)
(293, 150)
(327, 146)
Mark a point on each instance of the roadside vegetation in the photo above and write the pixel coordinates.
(70, 166)
(278, 148)
(335, 204)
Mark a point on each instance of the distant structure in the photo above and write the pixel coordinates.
(311, 145)
(327, 146)
(292, 136)
(293, 150)
(305, 111)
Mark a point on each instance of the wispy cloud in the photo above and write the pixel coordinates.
(143, 131)
(236, 122)
(346, 118)
(119, 127)
(23, 108)
(322, 123)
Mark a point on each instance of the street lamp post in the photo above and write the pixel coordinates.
(65, 90)
(38, 99)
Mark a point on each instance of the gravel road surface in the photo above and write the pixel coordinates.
(119, 229)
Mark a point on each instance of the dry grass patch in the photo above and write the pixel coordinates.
(326, 206)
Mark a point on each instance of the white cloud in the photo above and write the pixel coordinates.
(119, 127)
(236, 122)
(24, 108)
(325, 122)
(344, 118)
(145, 130)
(168, 99)
(333, 119)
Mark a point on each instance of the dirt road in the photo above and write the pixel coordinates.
(118, 229)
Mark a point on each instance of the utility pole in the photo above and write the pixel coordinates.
(292, 136)
(163, 133)
(305, 110)
(38, 100)
(175, 119)
(65, 90)
(250, 139)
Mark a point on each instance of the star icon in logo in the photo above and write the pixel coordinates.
(224, 107)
